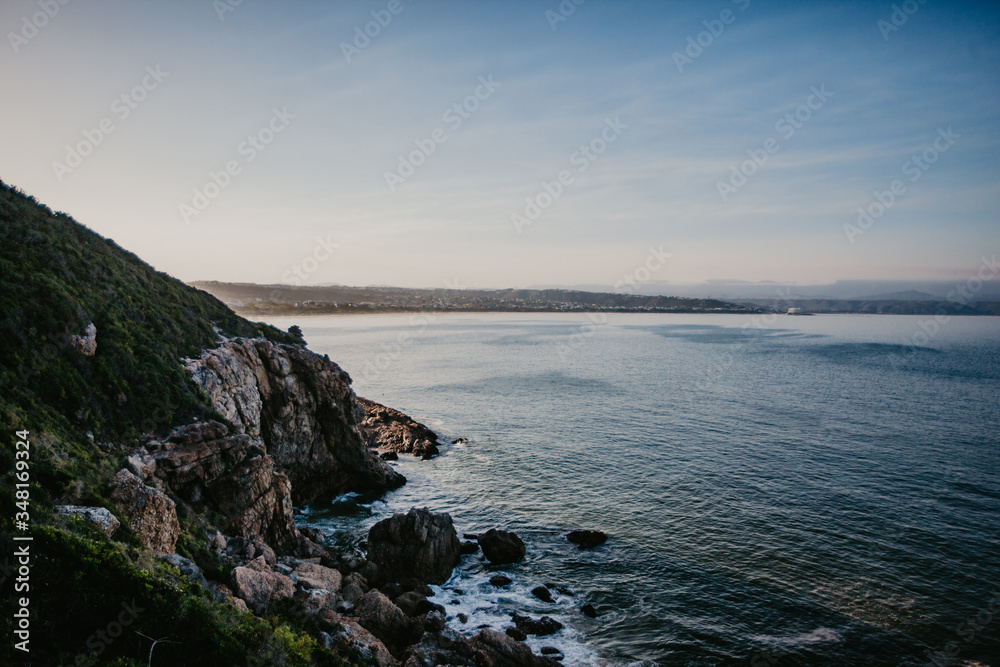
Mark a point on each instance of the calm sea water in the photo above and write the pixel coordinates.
(812, 490)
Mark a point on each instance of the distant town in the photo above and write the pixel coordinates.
(251, 299)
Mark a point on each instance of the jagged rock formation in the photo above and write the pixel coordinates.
(87, 343)
(148, 511)
(203, 463)
(390, 430)
(301, 408)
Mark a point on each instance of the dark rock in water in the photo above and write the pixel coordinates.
(514, 633)
(390, 430)
(542, 593)
(470, 536)
(462, 618)
(552, 651)
(587, 539)
(541, 627)
(458, 441)
(389, 456)
(500, 580)
(420, 544)
(469, 548)
(589, 611)
(500, 546)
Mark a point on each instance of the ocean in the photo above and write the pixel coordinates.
(777, 490)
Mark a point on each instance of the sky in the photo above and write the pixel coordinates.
(513, 144)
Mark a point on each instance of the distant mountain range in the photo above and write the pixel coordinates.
(873, 290)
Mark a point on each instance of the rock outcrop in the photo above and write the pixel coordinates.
(504, 651)
(390, 430)
(500, 546)
(301, 408)
(203, 463)
(99, 517)
(87, 343)
(149, 512)
(380, 616)
(419, 544)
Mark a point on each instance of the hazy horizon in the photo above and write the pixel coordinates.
(622, 123)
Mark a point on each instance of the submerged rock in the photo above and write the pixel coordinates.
(542, 593)
(540, 627)
(587, 539)
(420, 544)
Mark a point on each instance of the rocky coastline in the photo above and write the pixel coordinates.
(290, 430)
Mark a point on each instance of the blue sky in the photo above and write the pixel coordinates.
(679, 131)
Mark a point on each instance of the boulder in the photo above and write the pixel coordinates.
(504, 651)
(500, 546)
(100, 517)
(542, 593)
(148, 512)
(352, 641)
(258, 587)
(469, 547)
(377, 614)
(420, 544)
(187, 568)
(444, 647)
(589, 611)
(500, 580)
(540, 627)
(587, 539)
(311, 575)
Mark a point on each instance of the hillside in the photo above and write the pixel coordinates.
(119, 379)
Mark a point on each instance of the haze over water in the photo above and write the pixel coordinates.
(809, 493)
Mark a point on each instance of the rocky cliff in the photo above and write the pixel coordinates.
(300, 407)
